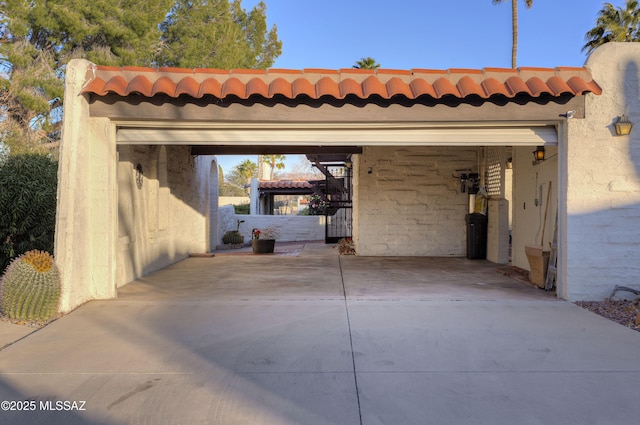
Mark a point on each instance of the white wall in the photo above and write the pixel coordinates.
(602, 230)
(290, 227)
(85, 235)
(166, 219)
(410, 204)
(530, 186)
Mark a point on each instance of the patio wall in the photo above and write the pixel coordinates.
(290, 227)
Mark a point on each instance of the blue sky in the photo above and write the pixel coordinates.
(433, 34)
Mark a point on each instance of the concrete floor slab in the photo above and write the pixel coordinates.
(191, 337)
(313, 338)
(11, 332)
(178, 398)
(428, 278)
(488, 336)
(497, 398)
(241, 277)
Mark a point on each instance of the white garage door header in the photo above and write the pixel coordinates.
(337, 134)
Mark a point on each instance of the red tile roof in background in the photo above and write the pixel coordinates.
(338, 84)
(284, 184)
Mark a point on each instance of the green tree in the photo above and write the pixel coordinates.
(242, 174)
(274, 162)
(38, 38)
(614, 24)
(229, 189)
(218, 34)
(367, 63)
(514, 27)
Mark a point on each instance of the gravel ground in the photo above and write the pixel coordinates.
(627, 313)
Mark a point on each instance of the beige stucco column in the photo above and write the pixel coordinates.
(86, 222)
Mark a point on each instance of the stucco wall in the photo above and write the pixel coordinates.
(86, 211)
(290, 227)
(603, 184)
(165, 219)
(408, 203)
(530, 186)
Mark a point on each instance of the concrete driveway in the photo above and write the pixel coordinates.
(308, 337)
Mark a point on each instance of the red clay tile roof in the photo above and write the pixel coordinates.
(284, 184)
(316, 83)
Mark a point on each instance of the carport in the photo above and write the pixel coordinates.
(139, 178)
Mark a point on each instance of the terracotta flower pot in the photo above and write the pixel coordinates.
(263, 246)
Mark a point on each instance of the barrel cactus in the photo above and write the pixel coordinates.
(30, 287)
(232, 237)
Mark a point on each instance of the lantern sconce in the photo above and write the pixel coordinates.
(538, 155)
(623, 126)
(139, 176)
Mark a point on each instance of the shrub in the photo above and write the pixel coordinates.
(241, 209)
(345, 247)
(30, 287)
(28, 186)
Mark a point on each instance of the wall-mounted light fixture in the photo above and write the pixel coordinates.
(139, 176)
(538, 155)
(623, 126)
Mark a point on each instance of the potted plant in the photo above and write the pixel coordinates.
(263, 241)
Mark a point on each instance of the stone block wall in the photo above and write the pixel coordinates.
(408, 203)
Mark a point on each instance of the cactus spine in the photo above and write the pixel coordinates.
(30, 287)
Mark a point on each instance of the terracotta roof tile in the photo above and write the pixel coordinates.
(284, 184)
(350, 86)
(396, 86)
(468, 87)
(259, 87)
(188, 86)
(444, 87)
(420, 87)
(210, 86)
(373, 86)
(318, 83)
(537, 86)
(302, 86)
(492, 86)
(515, 85)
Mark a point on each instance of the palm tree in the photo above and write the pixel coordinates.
(242, 173)
(273, 161)
(614, 24)
(514, 26)
(367, 63)
(247, 169)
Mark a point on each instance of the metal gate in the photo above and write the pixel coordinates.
(334, 195)
(339, 213)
